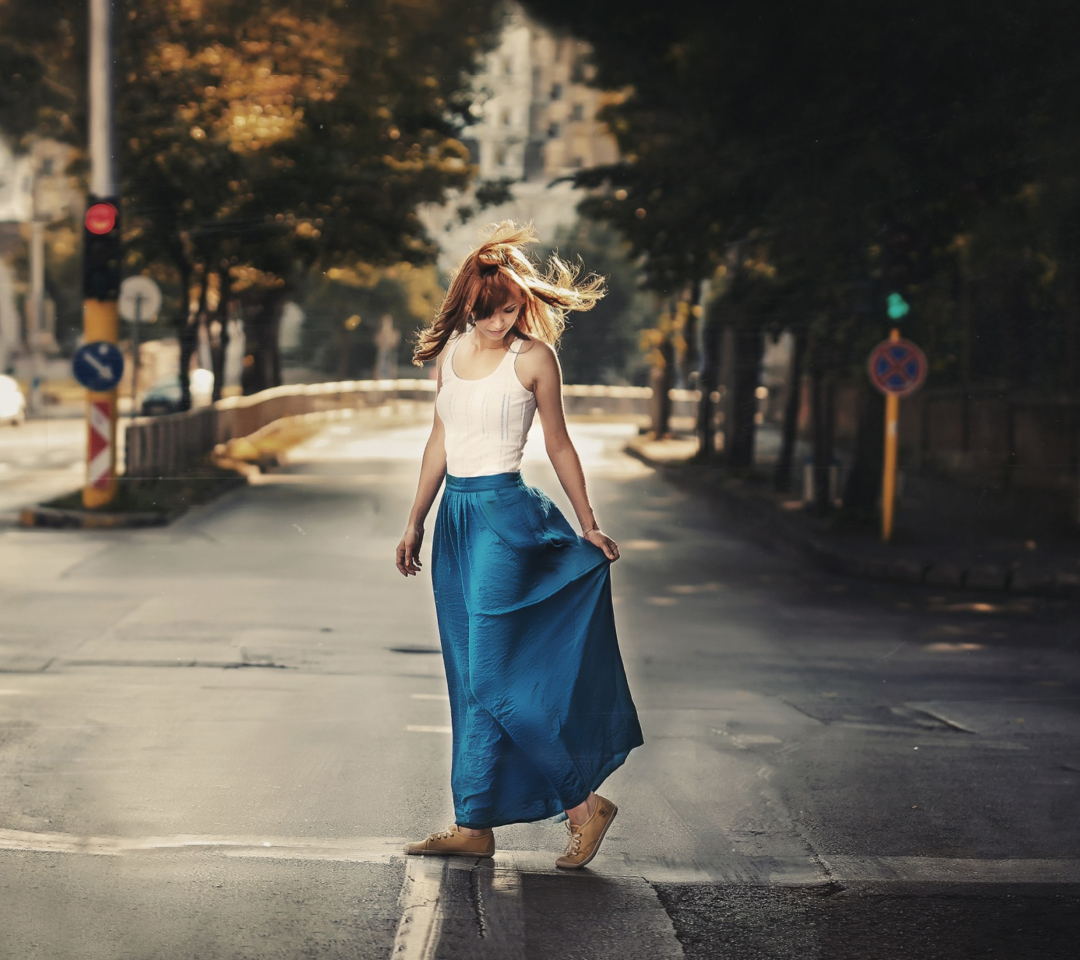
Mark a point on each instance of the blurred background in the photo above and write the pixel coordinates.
(756, 183)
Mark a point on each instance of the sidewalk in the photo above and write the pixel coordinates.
(947, 535)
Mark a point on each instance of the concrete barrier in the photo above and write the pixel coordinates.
(170, 444)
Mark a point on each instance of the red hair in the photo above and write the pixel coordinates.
(498, 272)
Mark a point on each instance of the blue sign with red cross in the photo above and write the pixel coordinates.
(897, 367)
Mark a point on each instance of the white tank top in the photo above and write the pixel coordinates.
(486, 421)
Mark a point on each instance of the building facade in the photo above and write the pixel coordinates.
(536, 124)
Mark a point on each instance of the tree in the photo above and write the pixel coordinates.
(601, 346)
(259, 140)
(823, 133)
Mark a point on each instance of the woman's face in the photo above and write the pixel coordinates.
(499, 323)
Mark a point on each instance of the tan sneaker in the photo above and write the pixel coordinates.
(585, 840)
(451, 843)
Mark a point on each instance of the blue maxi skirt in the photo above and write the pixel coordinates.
(539, 702)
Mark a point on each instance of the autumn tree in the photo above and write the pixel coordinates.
(259, 140)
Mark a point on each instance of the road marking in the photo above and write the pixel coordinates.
(950, 870)
(420, 925)
(756, 871)
(420, 728)
(351, 849)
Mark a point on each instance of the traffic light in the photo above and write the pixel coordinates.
(101, 249)
(897, 307)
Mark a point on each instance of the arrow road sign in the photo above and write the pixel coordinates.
(897, 367)
(98, 366)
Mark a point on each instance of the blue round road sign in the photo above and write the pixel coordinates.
(98, 366)
(897, 366)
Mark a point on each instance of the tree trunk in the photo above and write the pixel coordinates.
(863, 487)
(690, 361)
(707, 383)
(219, 340)
(823, 421)
(824, 393)
(741, 406)
(187, 334)
(789, 432)
(262, 320)
(661, 379)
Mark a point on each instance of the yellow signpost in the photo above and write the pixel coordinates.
(100, 325)
(888, 480)
(897, 367)
(98, 364)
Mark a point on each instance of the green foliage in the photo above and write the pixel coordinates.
(262, 138)
(343, 311)
(42, 65)
(850, 145)
(601, 346)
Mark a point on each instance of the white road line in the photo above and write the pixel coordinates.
(418, 929)
(761, 871)
(352, 849)
(948, 870)
(420, 728)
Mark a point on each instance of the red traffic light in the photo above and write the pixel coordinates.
(101, 218)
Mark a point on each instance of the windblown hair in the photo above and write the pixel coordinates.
(498, 271)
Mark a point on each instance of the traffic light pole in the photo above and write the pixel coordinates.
(100, 322)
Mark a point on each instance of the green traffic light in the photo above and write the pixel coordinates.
(898, 307)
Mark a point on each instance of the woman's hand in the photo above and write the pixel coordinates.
(597, 537)
(408, 552)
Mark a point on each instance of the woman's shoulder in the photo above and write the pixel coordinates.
(531, 346)
(537, 362)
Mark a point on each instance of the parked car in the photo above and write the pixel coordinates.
(12, 401)
(164, 396)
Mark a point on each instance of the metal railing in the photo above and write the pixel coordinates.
(170, 444)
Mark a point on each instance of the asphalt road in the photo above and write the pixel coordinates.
(214, 738)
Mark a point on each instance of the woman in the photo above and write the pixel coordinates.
(539, 703)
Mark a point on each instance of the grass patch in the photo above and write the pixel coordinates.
(160, 495)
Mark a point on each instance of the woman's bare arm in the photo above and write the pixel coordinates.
(539, 365)
(432, 471)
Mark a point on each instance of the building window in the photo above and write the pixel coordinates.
(47, 166)
(556, 91)
(578, 112)
(553, 131)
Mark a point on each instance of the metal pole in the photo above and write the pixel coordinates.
(135, 354)
(100, 321)
(102, 173)
(888, 481)
(36, 325)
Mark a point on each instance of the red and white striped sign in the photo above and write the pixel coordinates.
(99, 460)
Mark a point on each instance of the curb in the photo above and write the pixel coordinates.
(55, 518)
(764, 523)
